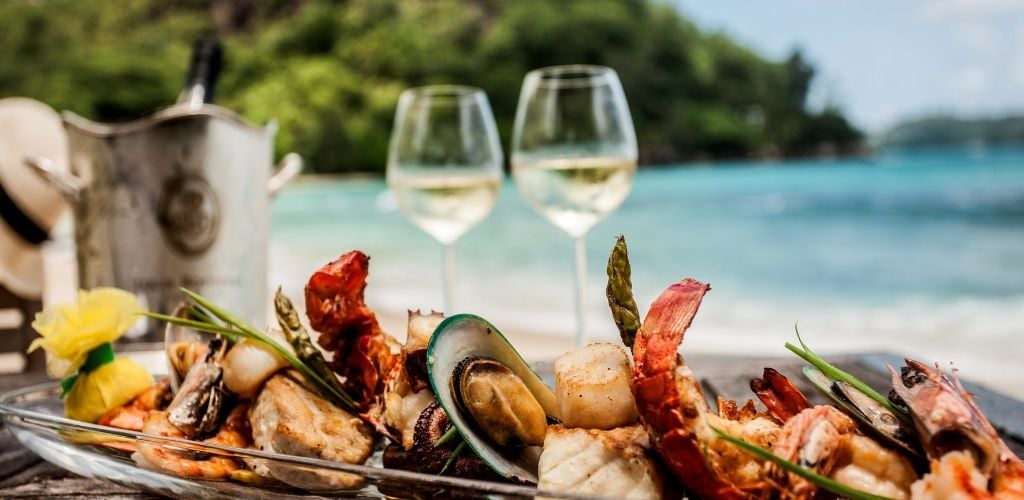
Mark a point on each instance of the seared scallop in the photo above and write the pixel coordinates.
(592, 385)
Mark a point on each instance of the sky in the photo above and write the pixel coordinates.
(883, 61)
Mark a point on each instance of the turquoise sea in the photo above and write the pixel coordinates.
(918, 252)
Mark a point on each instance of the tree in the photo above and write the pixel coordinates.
(330, 71)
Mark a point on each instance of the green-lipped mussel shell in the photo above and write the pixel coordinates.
(468, 336)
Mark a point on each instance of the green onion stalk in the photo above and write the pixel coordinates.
(835, 373)
(234, 327)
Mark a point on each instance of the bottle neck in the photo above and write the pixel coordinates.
(203, 71)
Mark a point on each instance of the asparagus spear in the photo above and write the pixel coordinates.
(299, 338)
(620, 293)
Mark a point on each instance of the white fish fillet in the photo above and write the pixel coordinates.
(613, 463)
(287, 418)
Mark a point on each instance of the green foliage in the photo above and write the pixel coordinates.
(330, 71)
(949, 130)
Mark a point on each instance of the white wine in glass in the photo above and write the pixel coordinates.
(446, 207)
(575, 193)
(445, 165)
(574, 153)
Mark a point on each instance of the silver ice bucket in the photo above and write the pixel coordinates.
(177, 199)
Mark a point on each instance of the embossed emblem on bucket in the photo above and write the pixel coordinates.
(189, 215)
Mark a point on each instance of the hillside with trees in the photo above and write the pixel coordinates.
(330, 71)
(946, 130)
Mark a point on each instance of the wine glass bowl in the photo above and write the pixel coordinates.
(574, 194)
(574, 152)
(445, 164)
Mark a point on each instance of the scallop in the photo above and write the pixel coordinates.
(489, 364)
(248, 364)
(593, 386)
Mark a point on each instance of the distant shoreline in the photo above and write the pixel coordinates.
(868, 156)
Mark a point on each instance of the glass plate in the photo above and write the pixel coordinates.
(34, 415)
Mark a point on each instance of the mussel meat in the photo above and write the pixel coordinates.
(182, 355)
(499, 402)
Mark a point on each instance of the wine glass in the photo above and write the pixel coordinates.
(574, 153)
(445, 165)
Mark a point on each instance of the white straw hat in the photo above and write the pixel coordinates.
(29, 206)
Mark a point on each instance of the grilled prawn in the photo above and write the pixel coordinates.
(362, 352)
(131, 415)
(969, 460)
(672, 406)
(193, 464)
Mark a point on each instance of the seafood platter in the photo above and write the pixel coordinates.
(342, 408)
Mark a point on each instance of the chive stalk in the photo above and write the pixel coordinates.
(240, 328)
(836, 373)
(454, 456)
(447, 436)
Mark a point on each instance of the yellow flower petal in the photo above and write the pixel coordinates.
(109, 386)
(70, 331)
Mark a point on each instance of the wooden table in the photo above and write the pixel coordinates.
(24, 475)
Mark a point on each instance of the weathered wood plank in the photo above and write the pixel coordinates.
(11, 381)
(13, 456)
(49, 485)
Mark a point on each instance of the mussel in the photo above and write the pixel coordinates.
(866, 411)
(198, 406)
(498, 404)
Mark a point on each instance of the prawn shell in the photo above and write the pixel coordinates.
(666, 400)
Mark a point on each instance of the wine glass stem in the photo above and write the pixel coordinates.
(581, 287)
(448, 278)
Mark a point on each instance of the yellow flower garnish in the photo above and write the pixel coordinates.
(70, 331)
(107, 387)
(78, 339)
